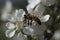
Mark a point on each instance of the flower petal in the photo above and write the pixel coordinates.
(10, 25)
(29, 8)
(21, 11)
(45, 18)
(21, 36)
(48, 2)
(39, 10)
(32, 4)
(28, 30)
(10, 33)
(39, 30)
(19, 14)
(12, 19)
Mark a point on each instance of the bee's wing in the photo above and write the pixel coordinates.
(39, 10)
(45, 18)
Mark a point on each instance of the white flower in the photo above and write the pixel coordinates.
(11, 30)
(17, 15)
(35, 30)
(38, 5)
(15, 18)
(39, 13)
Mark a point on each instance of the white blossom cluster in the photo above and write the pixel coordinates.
(15, 20)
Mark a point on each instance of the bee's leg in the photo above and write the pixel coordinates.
(31, 22)
(28, 21)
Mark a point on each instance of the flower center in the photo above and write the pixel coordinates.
(19, 25)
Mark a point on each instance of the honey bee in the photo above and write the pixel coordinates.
(32, 18)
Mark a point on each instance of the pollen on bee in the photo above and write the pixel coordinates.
(33, 22)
